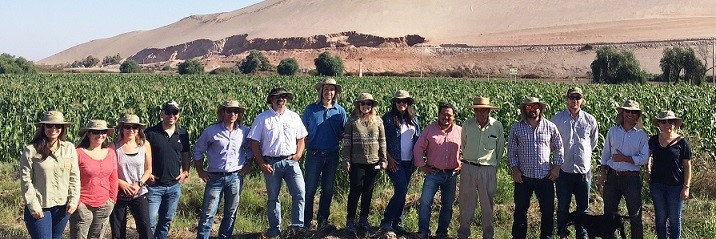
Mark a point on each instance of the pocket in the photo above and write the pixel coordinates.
(582, 132)
(490, 143)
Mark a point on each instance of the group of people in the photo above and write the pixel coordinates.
(143, 169)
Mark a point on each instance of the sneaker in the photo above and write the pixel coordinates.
(298, 232)
(350, 227)
(442, 236)
(422, 235)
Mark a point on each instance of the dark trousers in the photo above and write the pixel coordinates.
(544, 190)
(362, 181)
(139, 207)
(569, 184)
(629, 187)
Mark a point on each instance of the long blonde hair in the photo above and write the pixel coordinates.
(358, 114)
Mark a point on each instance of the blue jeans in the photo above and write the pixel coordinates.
(629, 187)
(319, 165)
(162, 199)
(446, 182)
(400, 179)
(667, 206)
(52, 225)
(543, 188)
(228, 185)
(569, 184)
(290, 171)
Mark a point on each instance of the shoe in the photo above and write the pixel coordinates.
(298, 232)
(350, 228)
(422, 235)
(363, 226)
(387, 228)
(400, 230)
(442, 236)
(325, 227)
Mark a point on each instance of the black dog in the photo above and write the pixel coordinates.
(599, 225)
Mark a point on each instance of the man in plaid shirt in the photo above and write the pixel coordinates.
(531, 142)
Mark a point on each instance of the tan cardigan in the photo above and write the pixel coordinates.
(364, 144)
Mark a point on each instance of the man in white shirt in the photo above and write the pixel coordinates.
(277, 141)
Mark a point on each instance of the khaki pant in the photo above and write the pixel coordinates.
(477, 182)
(88, 222)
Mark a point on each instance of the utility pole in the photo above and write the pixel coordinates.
(713, 57)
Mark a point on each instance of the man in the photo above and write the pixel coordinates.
(226, 148)
(579, 131)
(626, 149)
(277, 141)
(325, 121)
(483, 144)
(532, 141)
(441, 142)
(170, 167)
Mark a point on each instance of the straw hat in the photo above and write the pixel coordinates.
(667, 115)
(130, 119)
(278, 91)
(327, 81)
(228, 104)
(365, 97)
(533, 100)
(629, 105)
(482, 103)
(96, 125)
(403, 94)
(53, 117)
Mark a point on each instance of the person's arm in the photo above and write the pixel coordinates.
(246, 152)
(73, 198)
(558, 149)
(500, 147)
(512, 160)
(147, 163)
(113, 178)
(347, 145)
(419, 150)
(29, 192)
(686, 155)
(185, 157)
(382, 146)
(300, 141)
(200, 148)
(594, 134)
(642, 158)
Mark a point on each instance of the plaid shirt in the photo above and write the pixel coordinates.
(529, 149)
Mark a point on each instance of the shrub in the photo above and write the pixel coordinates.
(190, 67)
(129, 66)
(11, 65)
(327, 65)
(676, 59)
(255, 61)
(613, 66)
(287, 67)
(111, 60)
(224, 71)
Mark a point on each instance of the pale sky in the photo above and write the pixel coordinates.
(36, 29)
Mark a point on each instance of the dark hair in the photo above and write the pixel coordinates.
(443, 105)
(407, 116)
(42, 143)
(84, 143)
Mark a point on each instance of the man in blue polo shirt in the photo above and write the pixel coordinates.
(325, 121)
(170, 167)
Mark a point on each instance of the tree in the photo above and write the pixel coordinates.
(90, 61)
(11, 65)
(287, 67)
(328, 65)
(129, 66)
(191, 67)
(224, 71)
(111, 60)
(612, 66)
(255, 61)
(676, 59)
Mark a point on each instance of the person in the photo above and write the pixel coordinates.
(531, 142)
(579, 131)
(277, 142)
(134, 167)
(170, 168)
(626, 149)
(483, 144)
(402, 130)
(226, 148)
(325, 121)
(98, 177)
(364, 154)
(49, 178)
(670, 178)
(440, 142)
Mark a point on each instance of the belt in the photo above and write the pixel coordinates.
(443, 170)
(278, 157)
(623, 173)
(474, 164)
(223, 173)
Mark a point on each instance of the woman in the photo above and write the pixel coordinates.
(402, 131)
(670, 169)
(134, 167)
(364, 154)
(98, 177)
(49, 178)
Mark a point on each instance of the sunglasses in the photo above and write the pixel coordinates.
(532, 106)
(402, 101)
(128, 127)
(282, 96)
(368, 103)
(98, 132)
(54, 126)
(669, 121)
(171, 112)
(233, 111)
(634, 112)
(575, 97)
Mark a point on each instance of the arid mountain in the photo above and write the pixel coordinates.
(280, 25)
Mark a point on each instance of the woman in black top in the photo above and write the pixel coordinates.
(670, 168)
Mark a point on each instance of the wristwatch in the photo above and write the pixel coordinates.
(141, 183)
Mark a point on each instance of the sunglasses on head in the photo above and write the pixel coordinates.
(402, 101)
(668, 121)
(53, 126)
(98, 132)
(233, 111)
(171, 112)
(368, 103)
(575, 97)
(130, 126)
(532, 106)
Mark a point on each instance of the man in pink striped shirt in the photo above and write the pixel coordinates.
(441, 142)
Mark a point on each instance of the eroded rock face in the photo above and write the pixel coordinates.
(240, 43)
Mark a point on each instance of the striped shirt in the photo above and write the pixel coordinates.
(364, 143)
(529, 149)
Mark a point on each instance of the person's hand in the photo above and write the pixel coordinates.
(383, 165)
(647, 176)
(151, 179)
(600, 180)
(41, 214)
(182, 176)
(458, 170)
(296, 157)
(127, 188)
(71, 209)
(203, 175)
(245, 170)
(620, 157)
(554, 173)
(346, 166)
(427, 170)
(516, 175)
(685, 193)
(392, 165)
(266, 168)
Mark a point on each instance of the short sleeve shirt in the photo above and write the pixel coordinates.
(166, 152)
(277, 132)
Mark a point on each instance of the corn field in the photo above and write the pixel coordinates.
(81, 97)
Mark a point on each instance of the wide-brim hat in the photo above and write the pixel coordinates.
(130, 119)
(533, 100)
(403, 94)
(482, 103)
(667, 115)
(96, 125)
(229, 104)
(327, 81)
(629, 105)
(53, 117)
(365, 97)
(278, 91)
(575, 90)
